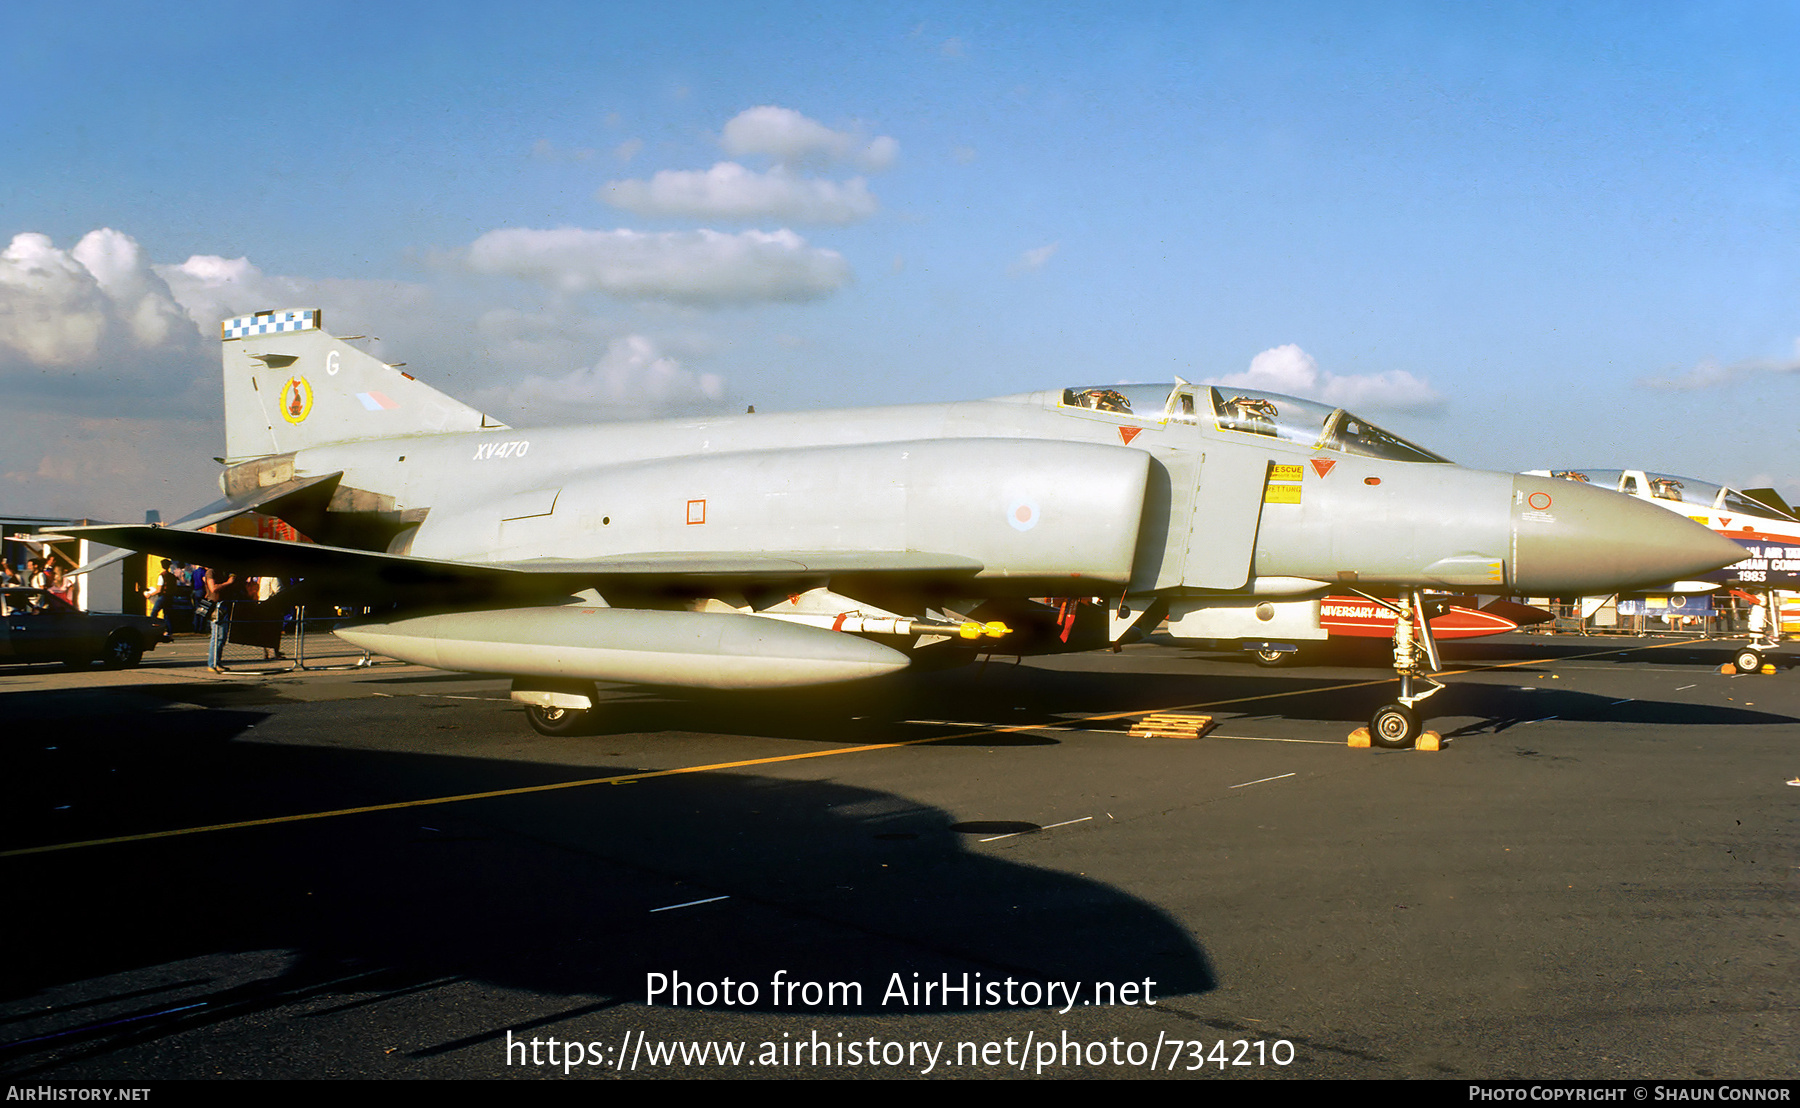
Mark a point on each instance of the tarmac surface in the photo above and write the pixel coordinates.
(384, 872)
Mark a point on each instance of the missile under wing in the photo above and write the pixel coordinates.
(770, 550)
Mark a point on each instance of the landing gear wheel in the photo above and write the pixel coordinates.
(1273, 657)
(122, 651)
(1748, 661)
(1394, 726)
(558, 721)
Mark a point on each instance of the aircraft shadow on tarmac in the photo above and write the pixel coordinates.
(1505, 650)
(1498, 707)
(554, 893)
(999, 705)
(1025, 697)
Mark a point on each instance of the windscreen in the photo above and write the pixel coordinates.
(1140, 401)
(1311, 425)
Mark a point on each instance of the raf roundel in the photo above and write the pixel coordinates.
(1022, 515)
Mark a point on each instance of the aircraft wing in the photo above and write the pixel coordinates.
(346, 574)
(269, 497)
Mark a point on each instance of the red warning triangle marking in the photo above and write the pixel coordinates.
(1126, 434)
(1322, 466)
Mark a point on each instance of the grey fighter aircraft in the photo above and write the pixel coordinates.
(765, 551)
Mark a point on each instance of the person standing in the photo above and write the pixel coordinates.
(222, 592)
(169, 585)
(273, 613)
(202, 606)
(38, 580)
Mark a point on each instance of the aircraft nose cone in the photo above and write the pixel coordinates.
(1571, 539)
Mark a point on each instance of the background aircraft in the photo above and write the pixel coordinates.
(1758, 519)
(772, 550)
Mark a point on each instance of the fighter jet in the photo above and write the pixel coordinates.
(780, 550)
(1766, 528)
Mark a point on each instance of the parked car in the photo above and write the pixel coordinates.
(36, 626)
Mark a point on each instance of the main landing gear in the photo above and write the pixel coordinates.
(1753, 655)
(1398, 724)
(556, 707)
(551, 720)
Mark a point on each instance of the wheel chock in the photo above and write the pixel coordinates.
(1728, 670)
(1768, 669)
(1430, 740)
(1171, 725)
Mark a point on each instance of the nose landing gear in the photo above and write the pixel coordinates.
(1397, 724)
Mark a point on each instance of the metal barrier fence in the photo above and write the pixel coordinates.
(1724, 622)
(271, 638)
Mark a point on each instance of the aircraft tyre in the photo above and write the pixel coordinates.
(122, 651)
(1274, 658)
(1748, 661)
(558, 721)
(1395, 726)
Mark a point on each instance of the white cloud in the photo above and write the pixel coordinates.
(143, 302)
(792, 139)
(101, 300)
(1033, 260)
(729, 191)
(1711, 374)
(634, 378)
(101, 331)
(707, 268)
(93, 328)
(880, 154)
(1291, 370)
(52, 311)
(212, 289)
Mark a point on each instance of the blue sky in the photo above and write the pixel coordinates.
(1525, 235)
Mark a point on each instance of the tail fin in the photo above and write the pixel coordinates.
(290, 385)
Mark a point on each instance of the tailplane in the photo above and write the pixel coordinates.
(290, 385)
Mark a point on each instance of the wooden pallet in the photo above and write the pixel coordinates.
(1171, 725)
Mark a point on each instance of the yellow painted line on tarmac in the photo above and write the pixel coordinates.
(649, 775)
(427, 802)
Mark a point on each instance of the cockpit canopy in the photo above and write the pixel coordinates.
(1679, 490)
(1304, 423)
